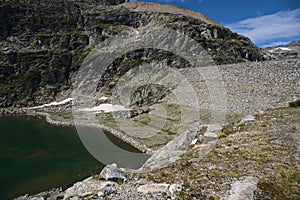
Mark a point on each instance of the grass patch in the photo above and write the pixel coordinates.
(222, 135)
(284, 185)
(8, 41)
(294, 103)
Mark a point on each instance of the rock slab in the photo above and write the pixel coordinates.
(112, 173)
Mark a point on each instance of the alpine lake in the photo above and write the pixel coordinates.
(36, 156)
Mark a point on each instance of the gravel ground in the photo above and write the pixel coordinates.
(258, 86)
(264, 153)
(248, 87)
(266, 149)
(261, 149)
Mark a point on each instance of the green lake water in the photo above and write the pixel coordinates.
(36, 156)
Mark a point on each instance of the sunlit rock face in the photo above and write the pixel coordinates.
(43, 44)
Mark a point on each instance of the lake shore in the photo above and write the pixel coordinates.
(254, 150)
(48, 117)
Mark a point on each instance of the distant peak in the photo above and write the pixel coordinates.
(105, 2)
(113, 2)
(167, 8)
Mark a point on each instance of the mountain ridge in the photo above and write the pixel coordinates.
(289, 51)
(166, 8)
(42, 44)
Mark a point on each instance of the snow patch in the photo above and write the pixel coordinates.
(105, 108)
(55, 103)
(284, 48)
(103, 98)
(281, 49)
(194, 141)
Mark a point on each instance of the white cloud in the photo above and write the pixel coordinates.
(283, 24)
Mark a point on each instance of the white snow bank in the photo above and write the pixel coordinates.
(105, 108)
(284, 48)
(55, 103)
(281, 48)
(103, 98)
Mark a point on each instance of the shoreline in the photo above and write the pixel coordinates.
(246, 140)
(47, 116)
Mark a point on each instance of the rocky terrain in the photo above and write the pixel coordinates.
(292, 50)
(43, 43)
(256, 157)
(233, 133)
(249, 88)
(250, 157)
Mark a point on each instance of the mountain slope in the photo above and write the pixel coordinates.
(292, 50)
(43, 43)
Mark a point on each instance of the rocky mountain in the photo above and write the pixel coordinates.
(43, 43)
(290, 51)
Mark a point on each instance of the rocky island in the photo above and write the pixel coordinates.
(232, 134)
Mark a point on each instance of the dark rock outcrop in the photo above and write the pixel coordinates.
(43, 43)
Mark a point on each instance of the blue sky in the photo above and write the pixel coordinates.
(265, 22)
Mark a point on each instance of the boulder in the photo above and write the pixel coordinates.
(214, 128)
(172, 151)
(243, 189)
(153, 188)
(112, 173)
(87, 187)
(159, 188)
(210, 134)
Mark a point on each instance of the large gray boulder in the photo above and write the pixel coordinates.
(159, 188)
(243, 189)
(88, 187)
(112, 173)
(172, 151)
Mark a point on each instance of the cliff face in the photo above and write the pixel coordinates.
(42, 43)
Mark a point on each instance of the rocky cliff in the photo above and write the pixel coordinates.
(43, 43)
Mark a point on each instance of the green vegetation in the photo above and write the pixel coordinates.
(80, 55)
(222, 135)
(72, 32)
(294, 103)
(8, 41)
(108, 26)
(241, 124)
(214, 198)
(62, 116)
(42, 34)
(285, 184)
